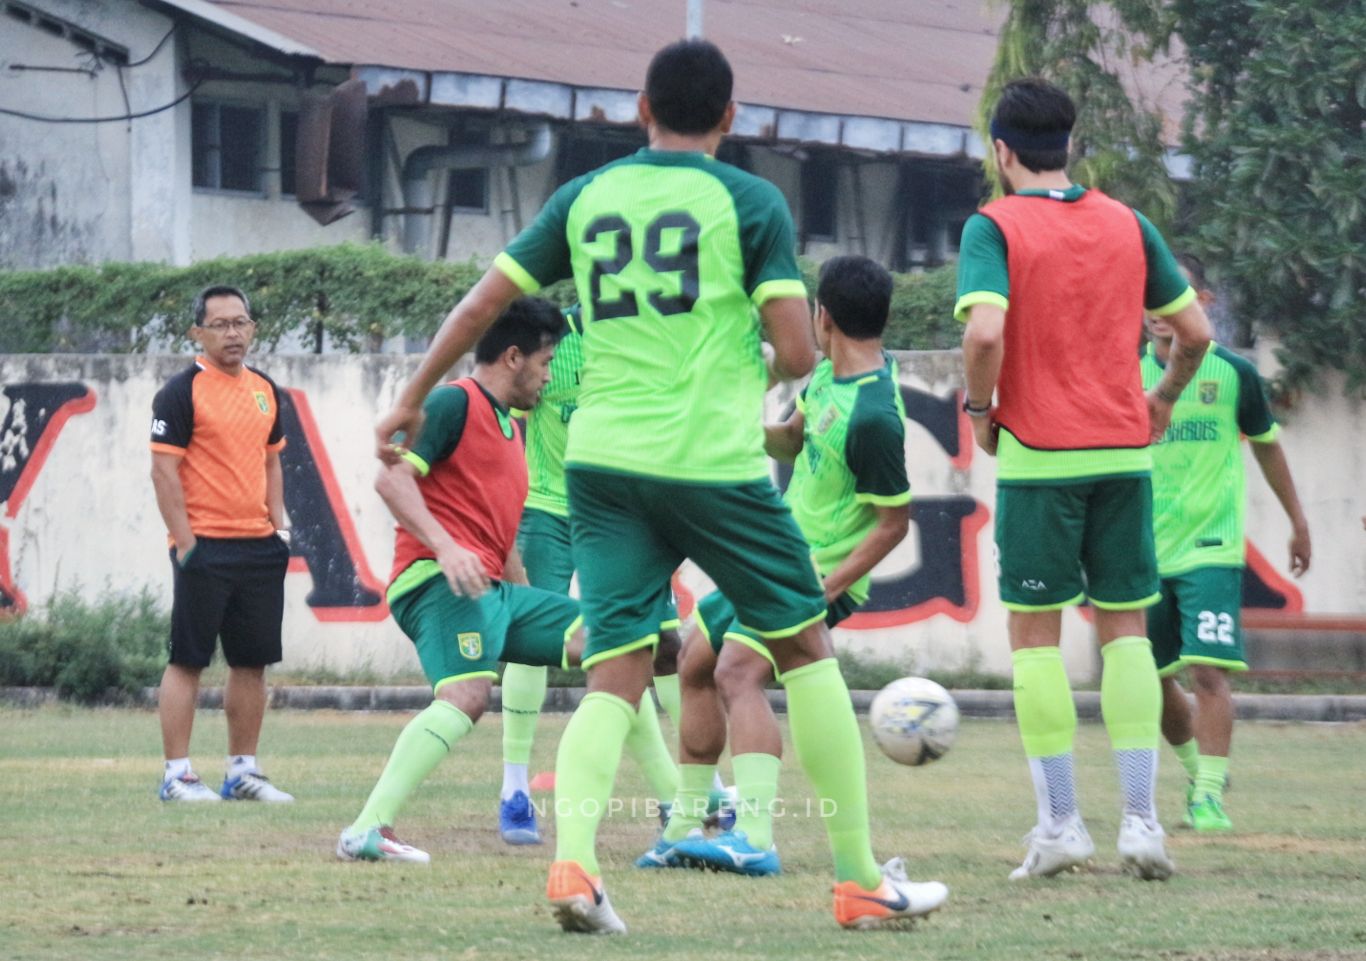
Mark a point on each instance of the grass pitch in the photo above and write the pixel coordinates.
(93, 867)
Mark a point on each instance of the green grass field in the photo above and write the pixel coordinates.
(92, 866)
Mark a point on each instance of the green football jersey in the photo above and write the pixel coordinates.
(853, 461)
(547, 424)
(1198, 476)
(671, 254)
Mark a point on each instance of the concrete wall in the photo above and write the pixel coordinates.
(79, 511)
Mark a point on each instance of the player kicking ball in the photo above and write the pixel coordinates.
(851, 499)
(457, 588)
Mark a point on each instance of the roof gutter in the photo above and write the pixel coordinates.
(208, 12)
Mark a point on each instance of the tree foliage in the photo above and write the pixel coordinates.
(1277, 129)
(348, 298)
(1116, 143)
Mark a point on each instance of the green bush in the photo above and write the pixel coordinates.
(87, 649)
(353, 295)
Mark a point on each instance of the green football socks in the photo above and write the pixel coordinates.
(690, 805)
(1130, 694)
(523, 694)
(1189, 756)
(585, 771)
(421, 745)
(1209, 781)
(826, 736)
(646, 744)
(1044, 708)
(670, 697)
(756, 788)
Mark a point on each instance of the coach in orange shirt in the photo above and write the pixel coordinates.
(216, 442)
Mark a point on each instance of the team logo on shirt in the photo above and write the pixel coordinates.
(471, 646)
(827, 419)
(1209, 391)
(261, 401)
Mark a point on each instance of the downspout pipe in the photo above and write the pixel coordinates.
(419, 189)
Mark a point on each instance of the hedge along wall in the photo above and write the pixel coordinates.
(350, 298)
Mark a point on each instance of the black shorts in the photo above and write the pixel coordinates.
(233, 588)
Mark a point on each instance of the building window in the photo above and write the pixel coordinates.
(226, 146)
(588, 148)
(820, 196)
(468, 191)
(289, 126)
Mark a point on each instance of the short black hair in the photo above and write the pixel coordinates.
(689, 84)
(1035, 106)
(201, 299)
(1195, 269)
(529, 323)
(858, 294)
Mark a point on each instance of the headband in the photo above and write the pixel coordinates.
(1040, 140)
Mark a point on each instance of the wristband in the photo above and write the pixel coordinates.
(975, 411)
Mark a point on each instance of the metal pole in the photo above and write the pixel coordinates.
(694, 19)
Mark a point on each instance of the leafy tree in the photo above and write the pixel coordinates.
(1116, 144)
(1277, 129)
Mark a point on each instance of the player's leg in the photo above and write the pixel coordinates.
(1121, 570)
(623, 569)
(1212, 647)
(666, 682)
(1038, 535)
(251, 642)
(459, 642)
(743, 670)
(1164, 623)
(200, 596)
(744, 537)
(543, 542)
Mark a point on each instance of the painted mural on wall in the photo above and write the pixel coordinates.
(948, 580)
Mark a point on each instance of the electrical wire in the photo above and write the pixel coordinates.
(126, 116)
(160, 43)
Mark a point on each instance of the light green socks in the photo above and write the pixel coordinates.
(826, 736)
(670, 697)
(421, 745)
(1189, 756)
(523, 694)
(756, 788)
(1130, 694)
(1044, 708)
(646, 744)
(585, 771)
(690, 804)
(1210, 779)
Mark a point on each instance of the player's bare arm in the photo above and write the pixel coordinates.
(1191, 334)
(784, 441)
(462, 327)
(275, 490)
(891, 528)
(984, 349)
(396, 485)
(1276, 469)
(514, 571)
(171, 501)
(787, 322)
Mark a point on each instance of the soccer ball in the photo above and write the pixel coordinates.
(914, 720)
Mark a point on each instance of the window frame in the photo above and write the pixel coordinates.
(263, 112)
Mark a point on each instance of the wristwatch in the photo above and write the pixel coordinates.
(975, 411)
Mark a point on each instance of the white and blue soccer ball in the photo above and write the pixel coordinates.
(914, 720)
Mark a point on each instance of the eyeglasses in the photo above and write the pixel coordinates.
(223, 326)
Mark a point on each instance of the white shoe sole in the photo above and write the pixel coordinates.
(576, 915)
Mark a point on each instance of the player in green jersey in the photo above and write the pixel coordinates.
(1052, 282)
(672, 252)
(851, 498)
(1198, 511)
(543, 540)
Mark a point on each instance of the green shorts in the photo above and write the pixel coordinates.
(459, 638)
(1061, 543)
(716, 621)
(632, 532)
(1199, 620)
(543, 542)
